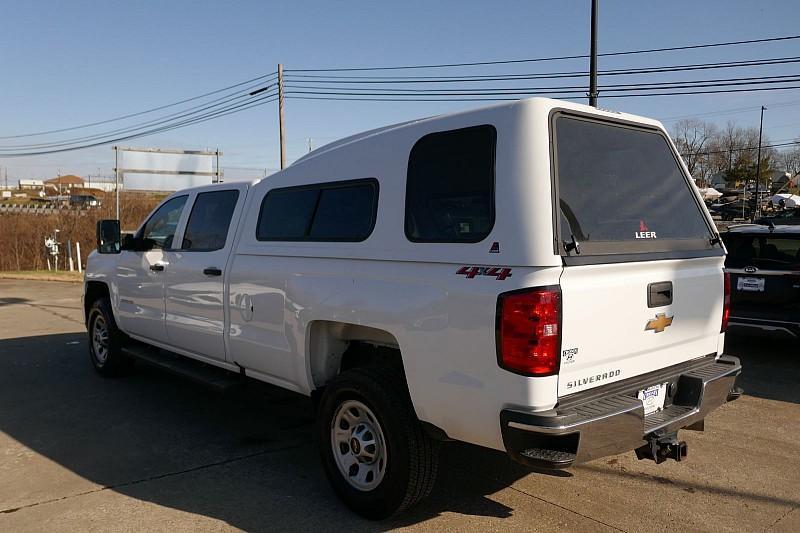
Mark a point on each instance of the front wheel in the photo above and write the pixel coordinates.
(376, 454)
(105, 341)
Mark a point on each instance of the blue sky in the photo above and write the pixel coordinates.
(67, 63)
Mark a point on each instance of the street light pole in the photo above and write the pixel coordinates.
(593, 58)
(757, 209)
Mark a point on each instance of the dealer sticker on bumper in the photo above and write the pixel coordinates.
(653, 398)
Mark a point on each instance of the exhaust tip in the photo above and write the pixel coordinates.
(735, 393)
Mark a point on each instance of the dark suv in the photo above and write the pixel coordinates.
(764, 267)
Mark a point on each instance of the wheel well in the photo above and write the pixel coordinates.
(94, 291)
(335, 347)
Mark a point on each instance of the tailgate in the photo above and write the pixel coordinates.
(610, 331)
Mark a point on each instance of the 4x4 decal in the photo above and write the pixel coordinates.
(500, 273)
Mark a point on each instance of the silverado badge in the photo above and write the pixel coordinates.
(659, 323)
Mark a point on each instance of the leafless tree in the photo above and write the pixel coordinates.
(693, 137)
(789, 160)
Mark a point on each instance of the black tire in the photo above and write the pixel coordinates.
(412, 456)
(106, 355)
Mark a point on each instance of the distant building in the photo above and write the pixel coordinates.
(31, 184)
(104, 185)
(718, 181)
(779, 179)
(66, 183)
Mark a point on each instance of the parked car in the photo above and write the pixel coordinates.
(786, 217)
(83, 200)
(764, 266)
(539, 277)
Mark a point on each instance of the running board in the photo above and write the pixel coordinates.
(212, 377)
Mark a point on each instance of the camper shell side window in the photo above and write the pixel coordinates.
(450, 186)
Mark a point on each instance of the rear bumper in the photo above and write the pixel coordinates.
(738, 324)
(610, 420)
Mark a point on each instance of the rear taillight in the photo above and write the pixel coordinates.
(726, 303)
(529, 331)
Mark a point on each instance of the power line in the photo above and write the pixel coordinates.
(754, 80)
(195, 120)
(484, 91)
(777, 145)
(544, 59)
(139, 113)
(568, 96)
(228, 104)
(732, 111)
(218, 102)
(545, 75)
(720, 91)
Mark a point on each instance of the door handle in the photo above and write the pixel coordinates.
(158, 267)
(212, 271)
(659, 294)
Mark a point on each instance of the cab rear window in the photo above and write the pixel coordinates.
(621, 190)
(768, 252)
(341, 211)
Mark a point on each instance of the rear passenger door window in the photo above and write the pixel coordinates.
(450, 186)
(209, 221)
(337, 211)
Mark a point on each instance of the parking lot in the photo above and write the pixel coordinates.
(152, 452)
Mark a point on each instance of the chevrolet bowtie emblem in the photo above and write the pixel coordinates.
(659, 323)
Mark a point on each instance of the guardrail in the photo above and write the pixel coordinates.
(42, 209)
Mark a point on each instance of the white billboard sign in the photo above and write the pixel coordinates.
(151, 169)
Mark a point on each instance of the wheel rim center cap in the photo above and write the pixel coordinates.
(355, 445)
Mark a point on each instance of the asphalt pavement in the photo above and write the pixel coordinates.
(152, 452)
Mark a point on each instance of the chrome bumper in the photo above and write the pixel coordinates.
(610, 420)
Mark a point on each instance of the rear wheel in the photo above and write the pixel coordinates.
(105, 341)
(376, 454)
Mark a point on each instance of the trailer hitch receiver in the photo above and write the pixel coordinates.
(659, 449)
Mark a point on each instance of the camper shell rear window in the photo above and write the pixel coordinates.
(621, 190)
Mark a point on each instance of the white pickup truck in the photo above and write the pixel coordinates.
(539, 277)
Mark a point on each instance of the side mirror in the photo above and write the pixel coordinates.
(108, 237)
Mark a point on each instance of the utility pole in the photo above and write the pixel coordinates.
(280, 114)
(593, 58)
(116, 177)
(757, 209)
